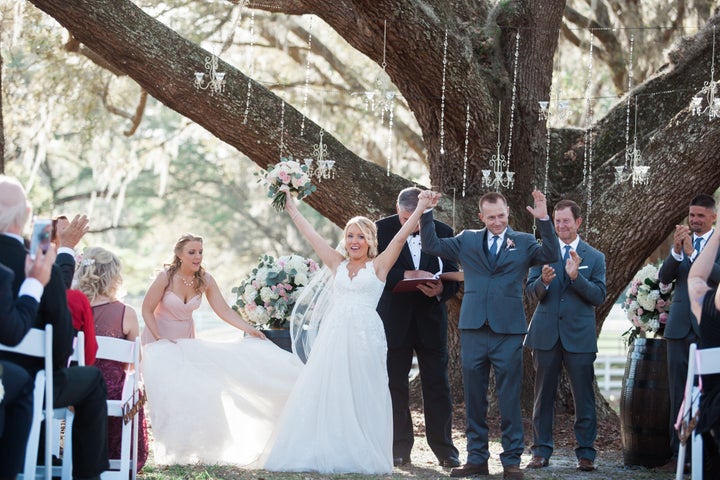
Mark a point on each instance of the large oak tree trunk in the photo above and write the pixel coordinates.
(626, 223)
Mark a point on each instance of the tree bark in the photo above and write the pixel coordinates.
(626, 223)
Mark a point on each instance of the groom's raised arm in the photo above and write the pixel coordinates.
(440, 247)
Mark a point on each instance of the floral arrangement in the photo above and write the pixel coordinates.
(266, 298)
(647, 303)
(287, 176)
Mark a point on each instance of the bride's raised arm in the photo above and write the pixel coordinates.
(384, 262)
(328, 255)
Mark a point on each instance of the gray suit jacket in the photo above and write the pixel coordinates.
(493, 293)
(566, 311)
(681, 321)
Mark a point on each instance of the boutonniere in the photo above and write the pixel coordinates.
(509, 244)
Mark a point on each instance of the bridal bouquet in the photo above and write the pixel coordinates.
(266, 298)
(647, 303)
(288, 176)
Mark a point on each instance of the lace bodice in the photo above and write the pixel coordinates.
(363, 290)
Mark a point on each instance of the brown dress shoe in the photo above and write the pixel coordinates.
(585, 465)
(671, 467)
(512, 472)
(537, 462)
(470, 470)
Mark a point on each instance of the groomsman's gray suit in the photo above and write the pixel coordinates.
(492, 325)
(562, 331)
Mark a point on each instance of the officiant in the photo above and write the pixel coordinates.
(416, 322)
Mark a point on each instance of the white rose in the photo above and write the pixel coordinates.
(301, 279)
(266, 294)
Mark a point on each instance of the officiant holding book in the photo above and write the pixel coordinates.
(416, 322)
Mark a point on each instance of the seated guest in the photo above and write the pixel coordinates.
(81, 387)
(16, 318)
(98, 277)
(82, 319)
(705, 305)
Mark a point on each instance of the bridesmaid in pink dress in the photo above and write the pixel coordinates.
(177, 291)
(98, 277)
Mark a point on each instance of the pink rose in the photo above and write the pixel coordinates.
(660, 303)
(284, 177)
(663, 318)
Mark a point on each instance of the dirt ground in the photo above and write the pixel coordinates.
(424, 466)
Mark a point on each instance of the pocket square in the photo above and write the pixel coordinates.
(580, 268)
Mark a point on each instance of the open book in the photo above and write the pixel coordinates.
(411, 284)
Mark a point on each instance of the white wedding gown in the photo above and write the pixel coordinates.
(249, 403)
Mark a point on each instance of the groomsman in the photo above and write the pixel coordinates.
(417, 322)
(682, 327)
(562, 332)
(495, 262)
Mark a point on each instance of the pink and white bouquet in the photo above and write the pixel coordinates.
(647, 303)
(266, 298)
(288, 176)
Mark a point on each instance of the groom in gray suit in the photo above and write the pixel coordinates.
(495, 261)
(562, 332)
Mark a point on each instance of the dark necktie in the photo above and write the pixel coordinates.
(494, 245)
(698, 242)
(566, 256)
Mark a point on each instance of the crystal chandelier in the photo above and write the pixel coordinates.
(497, 177)
(639, 174)
(562, 110)
(320, 167)
(215, 80)
(708, 93)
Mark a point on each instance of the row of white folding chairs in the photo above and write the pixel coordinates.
(38, 343)
(700, 362)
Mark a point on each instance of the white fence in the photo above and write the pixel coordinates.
(609, 371)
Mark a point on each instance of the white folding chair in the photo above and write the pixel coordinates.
(38, 343)
(67, 415)
(700, 362)
(125, 351)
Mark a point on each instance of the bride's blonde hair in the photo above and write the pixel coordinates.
(368, 229)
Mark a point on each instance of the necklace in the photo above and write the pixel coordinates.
(187, 283)
(354, 272)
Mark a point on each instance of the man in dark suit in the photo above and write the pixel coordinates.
(495, 262)
(16, 318)
(682, 327)
(562, 332)
(82, 387)
(417, 322)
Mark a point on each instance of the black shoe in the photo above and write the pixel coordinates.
(401, 461)
(470, 470)
(449, 462)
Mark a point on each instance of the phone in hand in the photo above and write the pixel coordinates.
(41, 234)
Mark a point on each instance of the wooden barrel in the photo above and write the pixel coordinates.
(280, 337)
(645, 405)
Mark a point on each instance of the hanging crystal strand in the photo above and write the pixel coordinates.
(307, 77)
(465, 155)
(389, 139)
(442, 97)
(251, 66)
(282, 128)
(588, 147)
(512, 104)
(628, 163)
(547, 159)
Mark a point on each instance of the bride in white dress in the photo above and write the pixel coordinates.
(241, 404)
